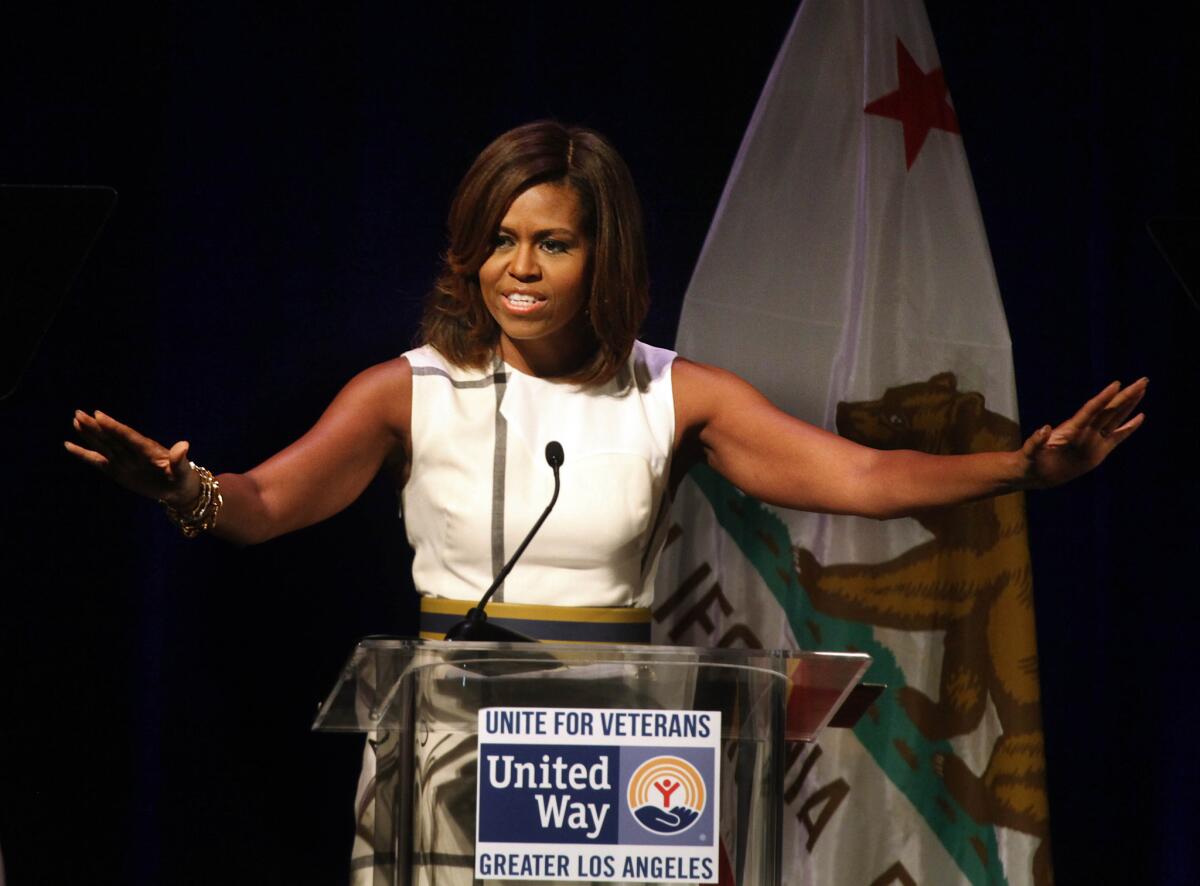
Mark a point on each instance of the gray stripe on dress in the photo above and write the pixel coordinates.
(377, 859)
(499, 458)
(652, 543)
(473, 383)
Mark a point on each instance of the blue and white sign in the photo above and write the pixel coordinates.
(598, 794)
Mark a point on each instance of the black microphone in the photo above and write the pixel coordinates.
(476, 626)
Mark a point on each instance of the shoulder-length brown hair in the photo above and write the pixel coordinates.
(456, 321)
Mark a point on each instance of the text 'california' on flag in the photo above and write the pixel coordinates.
(847, 276)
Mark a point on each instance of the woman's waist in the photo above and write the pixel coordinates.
(548, 622)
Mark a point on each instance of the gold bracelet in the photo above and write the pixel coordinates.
(202, 515)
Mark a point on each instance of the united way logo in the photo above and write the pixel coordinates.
(666, 795)
(598, 794)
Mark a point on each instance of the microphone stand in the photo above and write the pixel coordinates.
(476, 626)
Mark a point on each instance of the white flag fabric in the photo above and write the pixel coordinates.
(847, 275)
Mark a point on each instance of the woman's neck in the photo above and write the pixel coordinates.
(542, 361)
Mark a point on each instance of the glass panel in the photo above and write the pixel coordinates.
(422, 700)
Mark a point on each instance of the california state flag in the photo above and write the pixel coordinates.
(847, 275)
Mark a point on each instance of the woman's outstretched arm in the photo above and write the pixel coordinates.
(776, 458)
(314, 478)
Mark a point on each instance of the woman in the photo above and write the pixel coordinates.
(529, 336)
(545, 278)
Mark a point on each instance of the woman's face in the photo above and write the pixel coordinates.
(535, 283)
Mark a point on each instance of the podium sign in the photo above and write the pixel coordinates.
(568, 762)
(589, 794)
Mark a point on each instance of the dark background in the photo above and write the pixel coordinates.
(284, 173)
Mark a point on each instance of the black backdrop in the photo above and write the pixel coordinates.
(283, 177)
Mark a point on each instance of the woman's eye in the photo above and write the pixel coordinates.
(501, 240)
(554, 246)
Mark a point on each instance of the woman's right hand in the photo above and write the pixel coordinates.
(138, 463)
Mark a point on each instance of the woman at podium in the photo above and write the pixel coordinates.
(530, 336)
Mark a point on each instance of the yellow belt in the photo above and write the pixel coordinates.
(568, 624)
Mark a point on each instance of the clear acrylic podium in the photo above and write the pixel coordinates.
(421, 699)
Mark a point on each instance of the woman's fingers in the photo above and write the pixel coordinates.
(104, 452)
(92, 435)
(92, 458)
(1097, 404)
(1118, 435)
(121, 444)
(123, 432)
(131, 459)
(92, 431)
(127, 441)
(1122, 406)
(1104, 413)
(1082, 442)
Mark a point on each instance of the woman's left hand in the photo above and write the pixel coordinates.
(1056, 455)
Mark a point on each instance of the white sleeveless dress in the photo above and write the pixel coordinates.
(480, 480)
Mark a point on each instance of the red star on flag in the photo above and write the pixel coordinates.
(920, 104)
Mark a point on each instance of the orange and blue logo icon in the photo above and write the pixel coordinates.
(666, 795)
